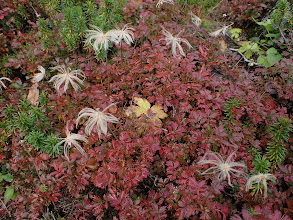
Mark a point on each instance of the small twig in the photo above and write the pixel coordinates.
(37, 14)
(106, 66)
(289, 46)
(236, 64)
(246, 60)
(9, 213)
(121, 53)
(217, 5)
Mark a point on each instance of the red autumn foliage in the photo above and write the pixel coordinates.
(137, 172)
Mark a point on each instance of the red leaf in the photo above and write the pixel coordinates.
(45, 156)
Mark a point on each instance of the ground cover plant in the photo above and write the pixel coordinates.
(146, 109)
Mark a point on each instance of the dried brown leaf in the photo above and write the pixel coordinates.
(33, 94)
(223, 45)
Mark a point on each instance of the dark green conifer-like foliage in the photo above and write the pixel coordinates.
(32, 123)
(276, 151)
(261, 163)
(75, 16)
(109, 14)
(280, 136)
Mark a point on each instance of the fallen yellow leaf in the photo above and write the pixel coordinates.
(142, 107)
(158, 110)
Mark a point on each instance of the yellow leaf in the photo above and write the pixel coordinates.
(141, 111)
(158, 110)
(143, 106)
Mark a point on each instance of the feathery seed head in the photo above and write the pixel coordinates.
(39, 76)
(224, 169)
(67, 77)
(71, 140)
(100, 38)
(175, 42)
(195, 19)
(2, 83)
(221, 31)
(161, 2)
(97, 120)
(126, 34)
(260, 178)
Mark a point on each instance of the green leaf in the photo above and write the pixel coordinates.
(270, 42)
(265, 61)
(280, 131)
(8, 194)
(43, 188)
(235, 30)
(269, 63)
(1, 177)
(14, 196)
(267, 24)
(255, 47)
(254, 39)
(249, 48)
(272, 51)
(261, 60)
(8, 178)
(235, 33)
(261, 164)
(273, 55)
(245, 46)
(275, 36)
(248, 54)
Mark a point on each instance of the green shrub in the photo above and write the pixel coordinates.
(32, 122)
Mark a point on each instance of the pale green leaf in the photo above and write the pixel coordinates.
(255, 47)
(8, 178)
(248, 54)
(261, 60)
(272, 50)
(8, 194)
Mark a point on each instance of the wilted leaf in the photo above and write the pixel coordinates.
(92, 164)
(33, 94)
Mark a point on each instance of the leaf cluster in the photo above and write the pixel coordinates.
(282, 16)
